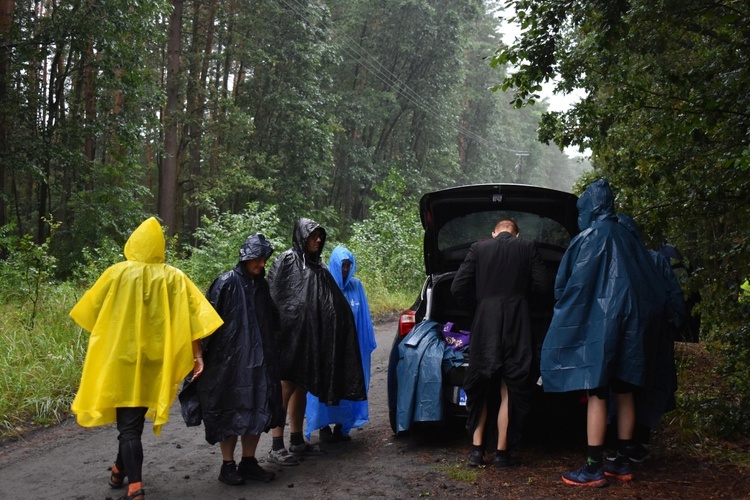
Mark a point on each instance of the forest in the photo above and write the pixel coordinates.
(224, 118)
(112, 111)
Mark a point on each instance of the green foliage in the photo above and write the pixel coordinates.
(665, 115)
(40, 366)
(25, 272)
(221, 236)
(388, 245)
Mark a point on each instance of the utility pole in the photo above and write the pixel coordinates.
(520, 165)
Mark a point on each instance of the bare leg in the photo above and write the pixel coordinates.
(478, 435)
(227, 448)
(249, 444)
(287, 388)
(297, 406)
(596, 420)
(625, 416)
(502, 418)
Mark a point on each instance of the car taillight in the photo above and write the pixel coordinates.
(406, 322)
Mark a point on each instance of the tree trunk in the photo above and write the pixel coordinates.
(7, 8)
(169, 168)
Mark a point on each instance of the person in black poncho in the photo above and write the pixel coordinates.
(318, 346)
(239, 393)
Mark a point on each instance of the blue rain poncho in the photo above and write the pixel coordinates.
(349, 414)
(609, 294)
(423, 359)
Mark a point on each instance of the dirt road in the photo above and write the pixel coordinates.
(66, 462)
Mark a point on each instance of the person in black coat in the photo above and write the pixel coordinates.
(496, 278)
(239, 393)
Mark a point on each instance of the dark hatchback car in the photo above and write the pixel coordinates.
(455, 218)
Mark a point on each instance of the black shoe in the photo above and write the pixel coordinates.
(636, 453)
(250, 469)
(339, 436)
(506, 462)
(326, 434)
(476, 458)
(229, 475)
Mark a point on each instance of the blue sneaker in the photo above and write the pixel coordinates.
(582, 477)
(619, 469)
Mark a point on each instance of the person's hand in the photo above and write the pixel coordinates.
(197, 367)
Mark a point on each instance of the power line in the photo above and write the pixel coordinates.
(354, 50)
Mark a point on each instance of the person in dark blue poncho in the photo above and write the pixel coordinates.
(347, 414)
(657, 395)
(239, 393)
(609, 294)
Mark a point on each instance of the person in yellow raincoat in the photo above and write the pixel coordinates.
(146, 320)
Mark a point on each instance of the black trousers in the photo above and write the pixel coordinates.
(130, 423)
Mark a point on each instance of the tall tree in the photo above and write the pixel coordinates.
(666, 117)
(7, 8)
(169, 170)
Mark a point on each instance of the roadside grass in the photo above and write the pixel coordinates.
(41, 361)
(459, 471)
(40, 365)
(707, 421)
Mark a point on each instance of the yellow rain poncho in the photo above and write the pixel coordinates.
(143, 316)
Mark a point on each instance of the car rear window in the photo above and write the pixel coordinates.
(463, 231)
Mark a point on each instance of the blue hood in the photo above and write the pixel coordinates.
(338, 256)
(596, 203)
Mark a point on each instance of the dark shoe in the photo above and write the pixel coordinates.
(117, 478)
(326, 434)
(229, 475)
(636, 454)
(619, 469)
(506, 462)
(306, 450)
(282, 457)
(582, 477)
(476, 458)
(250, 469)
(339, 436)
(136, 495)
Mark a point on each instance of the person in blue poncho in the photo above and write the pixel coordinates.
(657, 395)
(347, 414)
(609, 294)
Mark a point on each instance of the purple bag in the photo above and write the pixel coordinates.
(456, 340)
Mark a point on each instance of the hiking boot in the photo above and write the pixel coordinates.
(582, 477)
(619, 469)
(306, 450)
(476, 458)
(250, 469)
(229, 475)
(505, 462)
(282, 457)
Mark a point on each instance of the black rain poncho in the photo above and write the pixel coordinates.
(239, 392)
(497, 277)
(318, 346)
